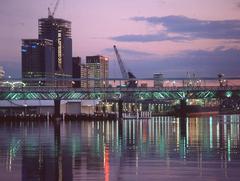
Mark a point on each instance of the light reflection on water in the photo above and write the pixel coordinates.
(163, 148)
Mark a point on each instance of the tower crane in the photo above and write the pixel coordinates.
(51, 14)
(127, 75)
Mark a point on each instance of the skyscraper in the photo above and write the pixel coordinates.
(59, 31)
(37, 58)
(98, 69)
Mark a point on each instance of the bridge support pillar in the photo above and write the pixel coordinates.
(120, 109)
(183, 126)
(57, 103)
(183, 106)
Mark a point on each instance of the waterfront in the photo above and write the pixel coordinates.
(162, 148)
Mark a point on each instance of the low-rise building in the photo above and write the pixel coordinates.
(158, 80)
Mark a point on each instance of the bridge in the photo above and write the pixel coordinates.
(180, 90)
(68, 93)
(176, 90)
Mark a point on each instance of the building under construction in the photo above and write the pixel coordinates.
(59, 31)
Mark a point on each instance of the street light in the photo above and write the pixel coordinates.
(174, 83)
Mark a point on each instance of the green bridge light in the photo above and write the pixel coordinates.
(229, 94)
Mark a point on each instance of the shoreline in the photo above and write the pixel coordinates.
(105, 117)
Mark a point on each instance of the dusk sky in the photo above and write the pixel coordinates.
(168, 36)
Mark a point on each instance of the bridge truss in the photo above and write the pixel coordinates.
(179, 93)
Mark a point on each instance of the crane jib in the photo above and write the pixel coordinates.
(125, 74)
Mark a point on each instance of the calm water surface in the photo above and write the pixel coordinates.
(164, 148)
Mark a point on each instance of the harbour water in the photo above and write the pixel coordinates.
(161, 148)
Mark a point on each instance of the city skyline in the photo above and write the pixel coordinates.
(168, 37)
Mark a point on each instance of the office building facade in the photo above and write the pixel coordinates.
(85, 83)
(59, 31)
(37, 59)
(98, 69)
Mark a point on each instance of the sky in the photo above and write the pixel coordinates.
(172, 37)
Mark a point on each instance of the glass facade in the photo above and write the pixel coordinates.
(37, 59)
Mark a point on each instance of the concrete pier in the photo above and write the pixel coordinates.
(57, 103)
(120, 109)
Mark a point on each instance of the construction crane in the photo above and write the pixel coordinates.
(127, 75)
(51, 14)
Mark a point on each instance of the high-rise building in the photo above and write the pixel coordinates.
(59, 31)
(76, 71)
(158, 80)
(98, 69)
(37, 59)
